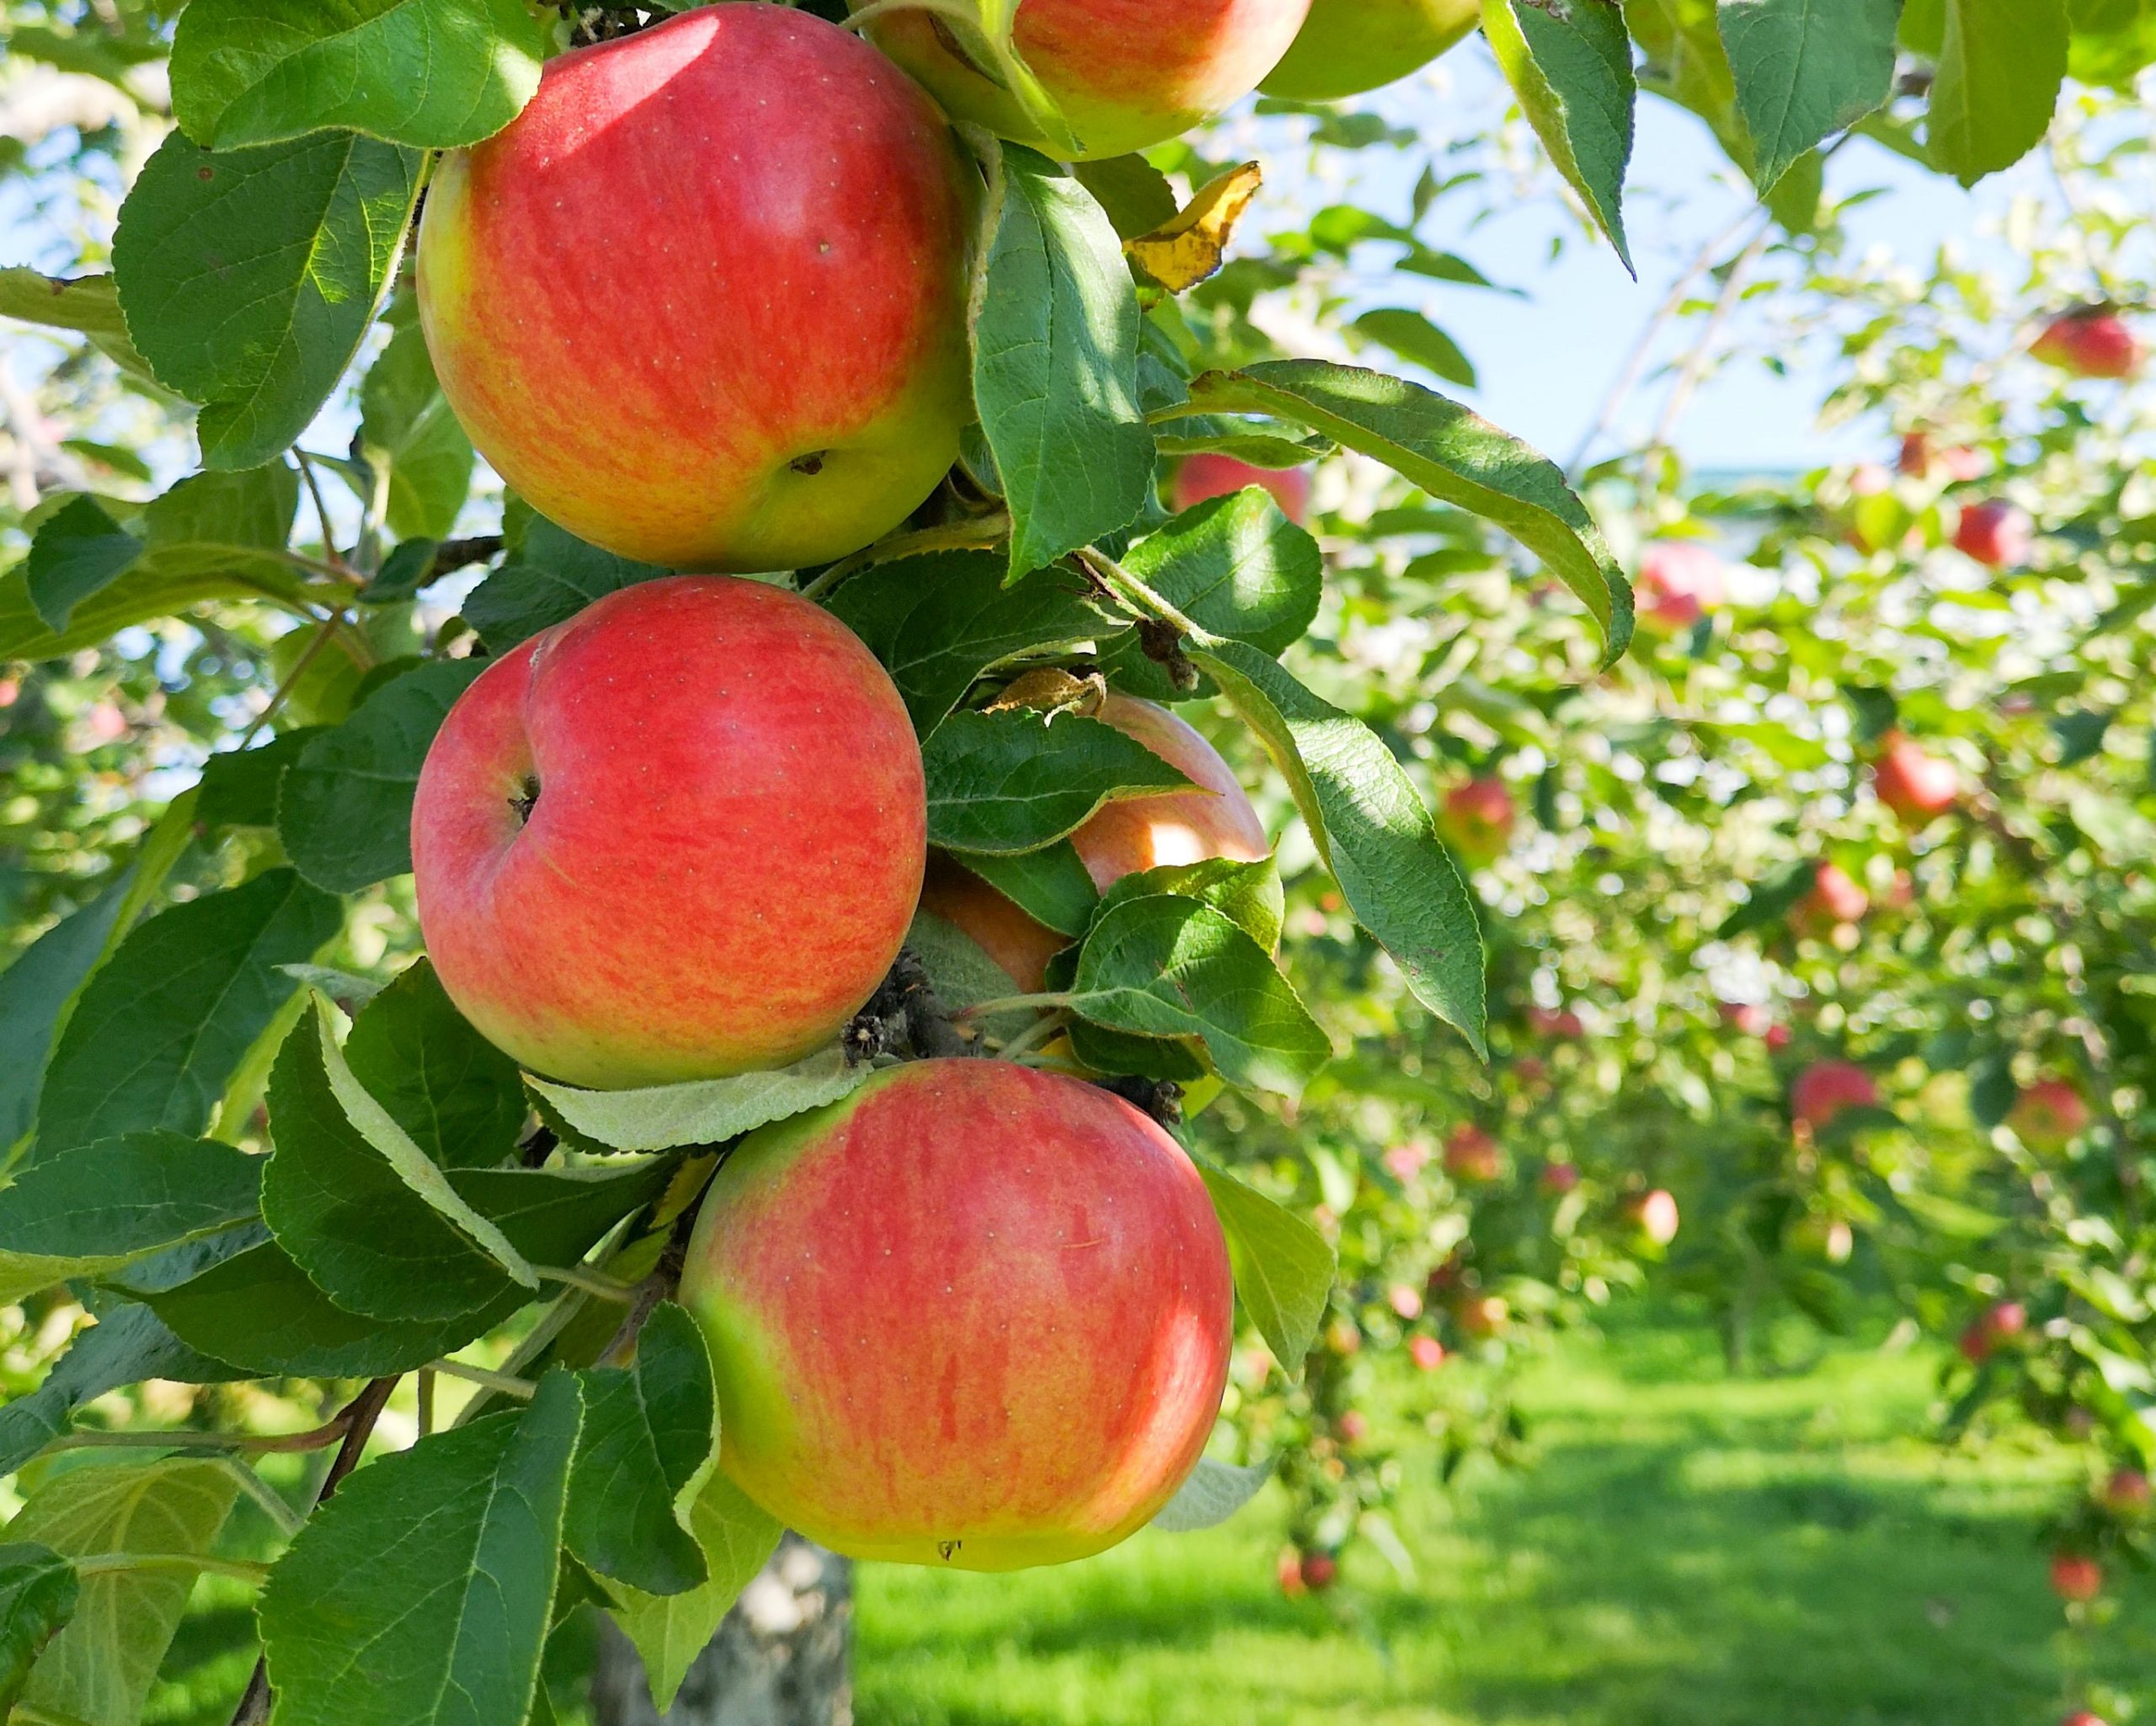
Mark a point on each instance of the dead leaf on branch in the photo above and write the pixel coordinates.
(1179, 255)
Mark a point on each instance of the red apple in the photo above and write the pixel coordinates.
(1353, 1427)
(1746, 1017)
(703, 302)
(1834, 898)
(1563, 1022)
(2127, 1493)
(1209, 475)
(1920, 456)
(1319, 1571)
(1484, 1315)
(972, 1315)
(1997, 534)
(2049, 1115)
(1826, 1087)
(1018, 942)
(1349, 46)
(1403, 1301)
(1123, 74)
(1288, 1573)
(1559, 1178)
(1476, 820)
(1999, 1324)
(2083, 1718)
(2094, 342)
(1427, 1353)
(1655, 1215)
(2076, 1578)
(1472, 1154)
(1916, 786)
(1779, 1038)
(1405, 1162)
(1679, 582)
(678, 836)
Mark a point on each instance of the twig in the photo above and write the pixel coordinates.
(589, 1282)
(334, 558)
(1135, 592)
(1701, 356)
(308, 655)
(280, 1443)
(506, 1384)
(1048, 1026)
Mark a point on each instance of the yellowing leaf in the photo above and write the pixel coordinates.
(1181, 254)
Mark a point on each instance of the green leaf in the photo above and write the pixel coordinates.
(110, 1202)
(553, 576)
(1013, 782)
(78, 550)
(1415, 339)
(451, 1631)
(434, 73)
(87, 305)
(1249, 895)
(1135, 194)
(1166, 966)
(1997, 84)
(1372, 831)
(650, 1441)
(962, 973)
(162, 1027)
(33, 996)
(1571, 69)
(99, 1669)
(938, 622)
(250, 276)
(1283, 1268)
(239, 785)
(1050, 885)
(127, 1344)
(1805, 70)
(704, 1111)
(460, 1097)
(1215, 1492)
(407, 429)
(37, 1593)
(1771, 901)
(1055, 364)
(345, 807)
(670, 1630)
(1457, 456)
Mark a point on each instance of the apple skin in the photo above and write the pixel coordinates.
(1427, 1353)
(1122, 838)
(1920, 456)
(706, 259)
(2076, 1578)
(1679, 582)
(2091, 344)
(1476, 820)
(1126, 74)
(2083, 1718)
(724, 852)
(1997, 534)
(1834, 898)
(1826, 1087)
(2049, 1115)
(915, 1361)
(1349, 46)
(1916, 785)
(2001, 1323)
(1210, 474)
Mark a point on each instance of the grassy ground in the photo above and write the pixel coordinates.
(1689, 1549)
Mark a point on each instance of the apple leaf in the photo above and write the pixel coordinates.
(1014, 782)
(1455, 455)
(108, 1203)
(649, 1443)
(474, 1517)
(162, 1027)
(937, 622)
(1050, 885)
(78, 550)
(34, 991)
(239, 785)
(1283, 1268)
(1167, 966)
(1055, 364)
(1415, 339)
(434, 73)
(460, 1097)
(1372, 831)
(551, 576)
(249, 277)
(958, 968)
(704, 1111)
(1997, 82)
(1249, 895)
(37, 1595)
(87, 305)
(99, 1669)
(1571, 69)
(344, 807)
(1215, 1492)
(1805, 69)
(406, 428)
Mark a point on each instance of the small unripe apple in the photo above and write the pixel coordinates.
(2094, 343)
(1916, 785)
(2127, 1493)
(1349, 46)
(1835, 898)
(703, 302)
(1427, 1353)
(1679, 582)
(1826, 1088)
(1476, 820)
(1559, 1178)
(1472, 1154)
(2049, 1115)
(2076, 1578)
(1655, 1215)
(1997, 534)
(678, 837)
(1208, 474)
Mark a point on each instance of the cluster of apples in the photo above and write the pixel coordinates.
(703, 303)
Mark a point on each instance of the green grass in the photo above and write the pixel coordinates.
(1688, 1550)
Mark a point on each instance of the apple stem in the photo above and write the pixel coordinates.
(1136, 593)
(1010, 1003)
(589, 1282)
(504, 1383)
(1047, 1026)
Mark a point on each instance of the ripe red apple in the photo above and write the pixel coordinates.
(1562, 1022)
(1349, 46)
(703, 302)
(1208, 474)
(973, 1315)
(1472, 1154)
(2127, 1493)
(1403, 1301)
(1746, 1017)
(1826, 1087)
(1476, 820)
(2095, 342)
(1834, 898)
(1559, 1178)
(2083, 1718)
(1916, 785)
(1354, 1427)
(678, 836)
(1288, 1573)
(1427, 1353)
(2049, 1115)
(1997, 534)
(1679, 582)
(1319, 1571)
(1125, 74)
(1216, 819)
(1779, 1038)
(1920, 456)
(2076, 1578)
(2002, 1322)
(1655, 1215)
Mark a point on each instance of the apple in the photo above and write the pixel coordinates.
(678, 836)
(2094, 342)
(1123, 74)
(1559, 1178)
(1834, 898)
(1562, 1022)
(1208, 474)
(1349, 46)
(1655, 1215)
(2001, 1322)
(1920, 456)
(1476, 820)
(1288, 1573)
(1406, 1302)
(2076, 1578)
(1826, 1087)
(1997, 534)
(1913, 783)
(2083, 1718)
(1472, 1154)
(1354, 1427)
(1319, 1571)
(1779, 1038)
(1484, 1315)
(1343, 1338)
(1746, 1017)
(974, 1315)
(1020, 945)
(2127, 1493)
(1679, 582)
(1427, 1353)
(703, 302)
(2049, 1115)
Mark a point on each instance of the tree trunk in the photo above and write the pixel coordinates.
(783, 1658)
